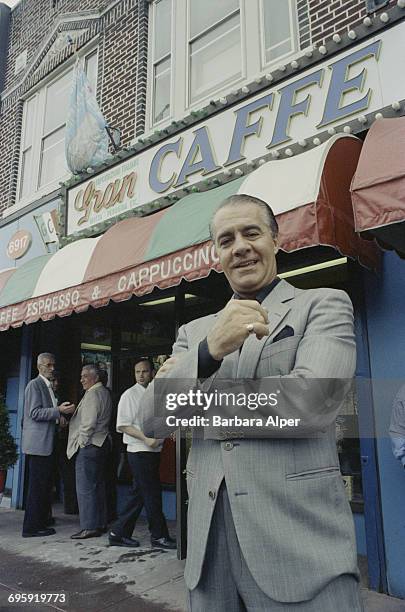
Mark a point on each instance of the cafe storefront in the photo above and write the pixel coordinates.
(136, 260)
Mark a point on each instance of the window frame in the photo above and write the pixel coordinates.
(152, 63)
(190, 40)
(253, 59)
(39, 92)
(293, 20)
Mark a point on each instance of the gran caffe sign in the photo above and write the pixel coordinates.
(360, 80)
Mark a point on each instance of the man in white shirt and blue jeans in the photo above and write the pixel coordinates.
(144, 459)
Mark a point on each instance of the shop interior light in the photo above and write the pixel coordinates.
(95, 347)
(166, 300)
(321, 266)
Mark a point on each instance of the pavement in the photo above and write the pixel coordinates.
(95, 577)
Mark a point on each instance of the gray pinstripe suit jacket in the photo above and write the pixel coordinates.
(294, 525)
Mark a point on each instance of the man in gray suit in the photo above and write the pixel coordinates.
(89, 438)
(269, 525)
(41, 413)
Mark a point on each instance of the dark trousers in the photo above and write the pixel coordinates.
(146, 491)
(67, 476)
(90, 486)
(38, 500)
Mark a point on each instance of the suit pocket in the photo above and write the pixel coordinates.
(287, 344)
(278, 359)
(311, 474)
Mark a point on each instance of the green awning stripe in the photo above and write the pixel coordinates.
(21, 285)
(186, 222)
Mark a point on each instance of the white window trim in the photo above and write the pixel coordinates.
(231, 84)
(150, 70)
(253, 62)
(40, 89)
(294, 29)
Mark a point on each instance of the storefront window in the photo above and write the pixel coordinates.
(348, 446)
(151, 330)
(96, 348)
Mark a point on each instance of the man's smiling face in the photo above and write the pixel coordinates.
(245, 247)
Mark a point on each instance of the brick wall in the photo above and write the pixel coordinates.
(328, 17)
(124, 62)
(121, 28)
(33, 20)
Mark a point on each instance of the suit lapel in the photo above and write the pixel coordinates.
(277, 304)
(78, 406)
(45, 390)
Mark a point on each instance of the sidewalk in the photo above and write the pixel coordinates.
(96, 577)
(93, 575)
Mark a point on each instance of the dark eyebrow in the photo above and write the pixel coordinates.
(246, 228)
(250, 227)
(223, 234)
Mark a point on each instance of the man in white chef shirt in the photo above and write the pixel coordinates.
(144, 459)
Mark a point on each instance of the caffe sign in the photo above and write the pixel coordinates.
(357, 81)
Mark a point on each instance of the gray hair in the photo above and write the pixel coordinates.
(92, 367)
(242, 198)
(42, 356)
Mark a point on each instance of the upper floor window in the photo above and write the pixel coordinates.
(278, 19)
(43, 161)
(200, 49)
(214, 46)
(162, 59)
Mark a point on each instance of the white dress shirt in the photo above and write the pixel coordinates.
(128, 415)
(51, 393)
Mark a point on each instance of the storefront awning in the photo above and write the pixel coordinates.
(378, 187)
(309, 195)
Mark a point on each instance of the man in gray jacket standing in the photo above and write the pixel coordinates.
(89, 438)
(41, 413)
(269, 525)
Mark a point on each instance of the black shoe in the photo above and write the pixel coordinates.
(115, 540)
(38, 534)
(86, 533)
(166, 542)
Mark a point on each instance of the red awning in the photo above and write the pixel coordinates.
(378, 186)
(309, 195)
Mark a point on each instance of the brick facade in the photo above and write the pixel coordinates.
(120, 29)
(328, 17)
